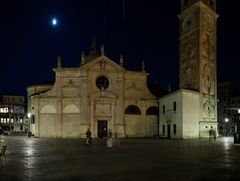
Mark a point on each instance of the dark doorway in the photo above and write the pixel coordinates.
(102, 128)
(169, 131)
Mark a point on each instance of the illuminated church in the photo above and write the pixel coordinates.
(101, 94)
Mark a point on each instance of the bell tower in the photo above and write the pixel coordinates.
(197, 42)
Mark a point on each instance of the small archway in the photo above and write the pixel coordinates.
(132, 110)
(134, 124)
(152, 111)
(152, 122)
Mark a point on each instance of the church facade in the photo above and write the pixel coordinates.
(100, 95)
(197, 39)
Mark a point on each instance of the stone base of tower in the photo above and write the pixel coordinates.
(205, 126)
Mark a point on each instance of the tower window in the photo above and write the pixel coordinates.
(174, 106)
(163, 109)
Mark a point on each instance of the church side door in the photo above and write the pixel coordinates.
(169, 131)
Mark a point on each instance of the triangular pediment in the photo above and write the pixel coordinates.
(102, 63)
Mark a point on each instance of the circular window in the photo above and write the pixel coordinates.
(102, 82)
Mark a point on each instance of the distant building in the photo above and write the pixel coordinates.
(13, 117)
(228, 106)
(100, 95)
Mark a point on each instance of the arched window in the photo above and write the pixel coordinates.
(132, 110)
(152, 111)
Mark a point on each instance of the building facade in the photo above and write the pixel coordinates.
(100, 95)
(197, 44)
(179, 114)
(13, 119)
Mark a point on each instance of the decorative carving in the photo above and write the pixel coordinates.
(188, 77)
(70, 84)
(207, 48)
(132, 86)
(209, 108)
(207, 22)
(208, 79)
(189, 51)
(189, 22)
(103, 109)
(188, 48)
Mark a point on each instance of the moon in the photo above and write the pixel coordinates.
(54, 22)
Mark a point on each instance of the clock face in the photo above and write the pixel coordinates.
(207, 22)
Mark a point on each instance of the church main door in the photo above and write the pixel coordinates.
(102, 128)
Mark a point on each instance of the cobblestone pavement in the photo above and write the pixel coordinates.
(135, 159)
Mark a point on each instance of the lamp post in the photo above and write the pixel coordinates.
(226, 126)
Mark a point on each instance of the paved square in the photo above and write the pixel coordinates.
(135, 159)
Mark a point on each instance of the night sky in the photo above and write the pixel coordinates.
(140, 30)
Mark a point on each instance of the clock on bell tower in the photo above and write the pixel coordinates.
(197, 43)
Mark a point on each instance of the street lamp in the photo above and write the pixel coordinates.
(226, 126)
(226, 120)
